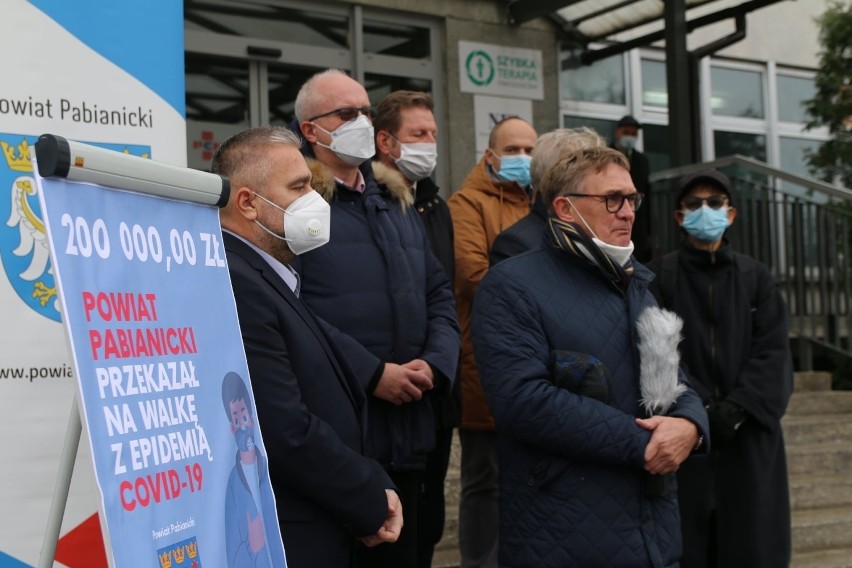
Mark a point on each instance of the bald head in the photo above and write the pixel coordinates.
(323, 92)
(327, 101)
(509, 137)
(508, 127)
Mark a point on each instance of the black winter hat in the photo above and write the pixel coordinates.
(628, 120)
(710, 177)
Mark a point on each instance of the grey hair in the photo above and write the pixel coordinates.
(239, 157)
(551, 146)
(571, 168)
(309, 93)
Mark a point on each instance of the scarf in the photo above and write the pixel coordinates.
(569, 238)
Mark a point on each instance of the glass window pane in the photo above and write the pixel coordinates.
(379, 86)
(743, 143)
(601, 82)
(216, 105)
(602, 126)
(654, 90)
(284, 84)
(792, 92)
(793, 160)
(655, 141)
(793, 154)
(216, 89)
(736, 92)
(396, 39)
(268, 21)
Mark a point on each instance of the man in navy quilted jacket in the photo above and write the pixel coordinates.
(586, 478)
(378, 281)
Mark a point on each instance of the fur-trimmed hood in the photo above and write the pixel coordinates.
(394, 183)
(391, 181)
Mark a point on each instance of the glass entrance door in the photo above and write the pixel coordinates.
(246, 61)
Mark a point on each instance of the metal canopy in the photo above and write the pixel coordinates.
(586, 21)
(592, 20)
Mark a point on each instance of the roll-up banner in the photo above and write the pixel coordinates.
(162, 380)
(110, 74)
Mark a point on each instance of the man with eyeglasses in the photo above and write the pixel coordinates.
(575, 462)
(735, 503)
(379, 282)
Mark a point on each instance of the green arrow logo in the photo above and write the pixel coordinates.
(480, 68)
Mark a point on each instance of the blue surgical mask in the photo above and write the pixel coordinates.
(706, 224)
(245, 438)
(515, 168)
(627, 143)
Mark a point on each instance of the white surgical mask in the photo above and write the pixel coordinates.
(417, 160)
(352, 141)
(307, 222)
(620, 255)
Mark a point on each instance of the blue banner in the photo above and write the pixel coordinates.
(162, 378)
(107, 72)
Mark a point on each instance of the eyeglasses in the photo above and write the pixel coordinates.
(713, 202)
(348, 113)
(615, 201)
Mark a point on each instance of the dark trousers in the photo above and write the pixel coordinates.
(402, 553)
(431, 508)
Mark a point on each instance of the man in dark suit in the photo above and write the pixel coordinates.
(625, 137)
(310, 399)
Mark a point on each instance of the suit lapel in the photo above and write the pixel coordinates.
(233, 245)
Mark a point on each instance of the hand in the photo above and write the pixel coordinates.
(725, 419)
(400, 384)
(423, 366)
(672, 440)
(392, 527)
(256, 534)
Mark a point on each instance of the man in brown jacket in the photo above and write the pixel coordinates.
(494, 196)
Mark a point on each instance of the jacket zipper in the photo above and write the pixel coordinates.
(713, 331)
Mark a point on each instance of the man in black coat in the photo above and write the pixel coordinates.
(735, 505)
(625, 137)
(311, 409)
(407, 153)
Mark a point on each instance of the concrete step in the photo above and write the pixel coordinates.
(817, 429)
(447, 550)
(825, 459)
(822, 529)
(835, 558)
(452, 485)
(814, 491)
(450, 539)
(448, 558)
(825, 402)
(811, 381)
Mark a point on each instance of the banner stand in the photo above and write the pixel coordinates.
(163, 387)
(63, 485)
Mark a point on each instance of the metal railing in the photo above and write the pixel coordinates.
(801, 228)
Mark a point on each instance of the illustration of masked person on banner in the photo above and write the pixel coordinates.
(248, 499)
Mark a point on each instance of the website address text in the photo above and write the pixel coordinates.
(33, 373)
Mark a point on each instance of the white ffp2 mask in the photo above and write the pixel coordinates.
(307, 222)
(352, 141)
